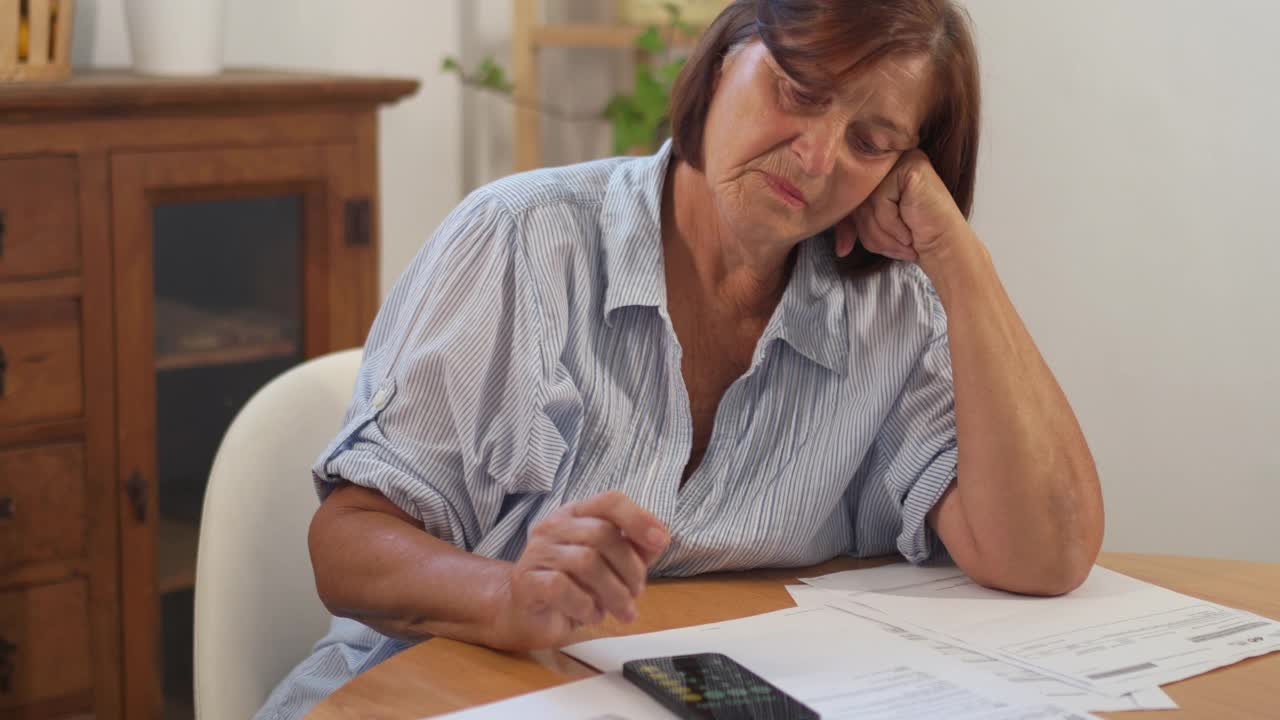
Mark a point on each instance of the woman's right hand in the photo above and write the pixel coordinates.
(582, 561)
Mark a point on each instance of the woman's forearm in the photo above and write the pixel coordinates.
(374, 564)
(1026, 479)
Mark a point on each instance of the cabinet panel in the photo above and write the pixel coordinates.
(44, 644)
(38, 219)
(224, 279)
(42, 505)
(40, 361)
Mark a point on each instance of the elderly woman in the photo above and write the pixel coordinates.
(775, 341)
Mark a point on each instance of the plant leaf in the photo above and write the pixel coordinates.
(628, 134)
(622, 107)
(671, 70)
(650, 95)
(650, 40)
(491, 75)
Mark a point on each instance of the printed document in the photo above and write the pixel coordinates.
(843, 665)
(1113, 635)
(1051, 688)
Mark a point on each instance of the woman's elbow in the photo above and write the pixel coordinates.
(319, 544)
(1047, 574)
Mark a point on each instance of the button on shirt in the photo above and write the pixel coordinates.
(526, 359)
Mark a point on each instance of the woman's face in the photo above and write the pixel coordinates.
(783, 165)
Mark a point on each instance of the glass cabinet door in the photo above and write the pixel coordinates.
(226, 276)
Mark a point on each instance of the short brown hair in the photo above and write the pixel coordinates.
(821, 42)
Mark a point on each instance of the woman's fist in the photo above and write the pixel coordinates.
(909, 216)
(583, 561)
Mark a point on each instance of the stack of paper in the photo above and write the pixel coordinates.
(1114, 635)
(928, 643)
(1047, 686)
(840, 664)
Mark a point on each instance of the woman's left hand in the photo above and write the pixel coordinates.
(911, 216)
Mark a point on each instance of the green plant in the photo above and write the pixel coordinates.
(639, 118)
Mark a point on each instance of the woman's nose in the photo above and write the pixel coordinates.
(818, 145)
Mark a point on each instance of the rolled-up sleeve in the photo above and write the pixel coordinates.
(913, 459)
(449, 415)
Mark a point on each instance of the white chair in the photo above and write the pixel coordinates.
(256, 610)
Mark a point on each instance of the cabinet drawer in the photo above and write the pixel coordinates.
(42, 505)
(39, 361)
(39, 217)
(44, 644)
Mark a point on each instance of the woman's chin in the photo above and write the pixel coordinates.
(762, 218)
(758, 228)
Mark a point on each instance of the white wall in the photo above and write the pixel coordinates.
(1128, 192)
(421, 152)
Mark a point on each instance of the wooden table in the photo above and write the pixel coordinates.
(442, 675)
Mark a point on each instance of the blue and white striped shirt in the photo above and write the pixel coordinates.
(526, 359)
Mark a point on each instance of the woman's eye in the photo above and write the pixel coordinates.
(866, 146)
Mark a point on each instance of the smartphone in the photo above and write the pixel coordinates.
(712, 686)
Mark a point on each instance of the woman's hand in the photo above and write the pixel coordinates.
(911, 216)
(584, 560)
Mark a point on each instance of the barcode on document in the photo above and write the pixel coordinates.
(1229, 631)
(1122, 671)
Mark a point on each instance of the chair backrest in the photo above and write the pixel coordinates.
(256, 610)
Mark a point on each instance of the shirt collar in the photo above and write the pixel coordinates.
(811, 317)
(631, 218)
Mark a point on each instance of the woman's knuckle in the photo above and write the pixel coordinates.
(600, 533)
(538, 532)
(557, 584)
(584, 560)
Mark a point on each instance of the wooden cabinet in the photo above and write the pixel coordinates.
(166, 247)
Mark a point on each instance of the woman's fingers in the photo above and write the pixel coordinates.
(638, 525)
(591, 557)
(589, 570)
(889, 219)
(605, 538)
(603, 546)
(558, 592)
(877, 240)
(846, 237)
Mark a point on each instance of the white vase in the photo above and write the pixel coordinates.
(651, 12)
(176, 37)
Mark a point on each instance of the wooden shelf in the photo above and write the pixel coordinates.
(589, 35)
(114, 91)
(226, 356)
(176, 555)
(194, 337)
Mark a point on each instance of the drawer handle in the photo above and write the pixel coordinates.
(358, 227)
(4, 365)
(3, 231)
(7, 665)
(6, 509)
(136, 488)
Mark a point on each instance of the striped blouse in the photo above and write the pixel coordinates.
(526, 359)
